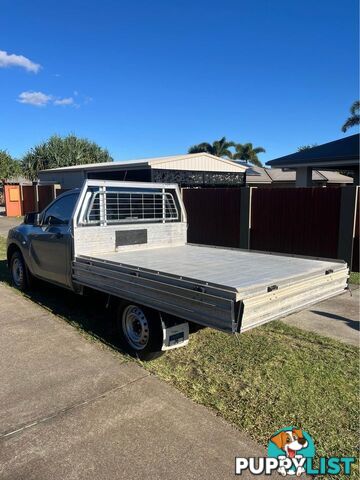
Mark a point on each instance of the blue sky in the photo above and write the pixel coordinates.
(151, 78)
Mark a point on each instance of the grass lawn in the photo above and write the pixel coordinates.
(272, 377)
(355, 278)
(263, 380)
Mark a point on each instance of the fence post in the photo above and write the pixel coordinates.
(245, 217)
(36, 195)
(347, 223)
(21, 198)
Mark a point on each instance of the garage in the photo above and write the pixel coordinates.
(192, 170)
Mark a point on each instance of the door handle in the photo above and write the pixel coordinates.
(58, 235)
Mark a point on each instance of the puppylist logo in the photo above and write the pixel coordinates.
(291, 451)
(292, 447)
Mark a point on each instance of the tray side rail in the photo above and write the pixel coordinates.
(191, 301)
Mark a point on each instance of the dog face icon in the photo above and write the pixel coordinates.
(290, 441)
(294, 448)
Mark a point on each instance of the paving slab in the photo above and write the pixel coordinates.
(146, 430)
(72, 409)
(47, 365)
(337, 317)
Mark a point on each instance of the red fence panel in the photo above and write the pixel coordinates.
(303, 221)
(356, 246)
(213, 215)
(29, 199)
(46, 195)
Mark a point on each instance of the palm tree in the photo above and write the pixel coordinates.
(246, 151)
(219, 148)
(354, 119)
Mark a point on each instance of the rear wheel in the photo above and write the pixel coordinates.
(140, 331)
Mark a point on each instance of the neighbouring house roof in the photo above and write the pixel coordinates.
(336, 154)
(258, 175)
(193, 161)
(280, 175)
(261, 175)
(336, 177)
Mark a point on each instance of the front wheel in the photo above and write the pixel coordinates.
(140, 331)
(18, 270)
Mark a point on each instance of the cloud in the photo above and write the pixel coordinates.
(64, 101)
(12, 60)
(38, 99)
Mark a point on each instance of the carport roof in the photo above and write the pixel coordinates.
(336, 154)
(153, 163)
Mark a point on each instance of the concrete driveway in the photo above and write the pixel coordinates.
(8, 222)
(337, 317)
(74, 409)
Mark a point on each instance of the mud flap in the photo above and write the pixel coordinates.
(175, 332)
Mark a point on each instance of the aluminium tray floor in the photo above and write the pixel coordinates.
(235, 269)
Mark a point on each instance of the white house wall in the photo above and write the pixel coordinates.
(201, 163)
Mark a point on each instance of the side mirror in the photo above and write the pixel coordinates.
(32, 218)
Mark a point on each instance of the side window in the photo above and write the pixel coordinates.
(60, 212)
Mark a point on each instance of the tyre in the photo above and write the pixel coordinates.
(140, 331)
(19, 272)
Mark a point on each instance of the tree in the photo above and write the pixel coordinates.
(354, 119)
(9, 167)
(219, 148)
(62, 152)
(246, 152)
(306, 147)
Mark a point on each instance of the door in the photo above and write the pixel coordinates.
(51, 242)
(12, 200)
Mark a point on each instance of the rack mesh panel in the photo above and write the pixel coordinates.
(123, 206)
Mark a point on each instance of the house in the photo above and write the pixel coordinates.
(278, 177)
(191, 170)
(339, 155)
